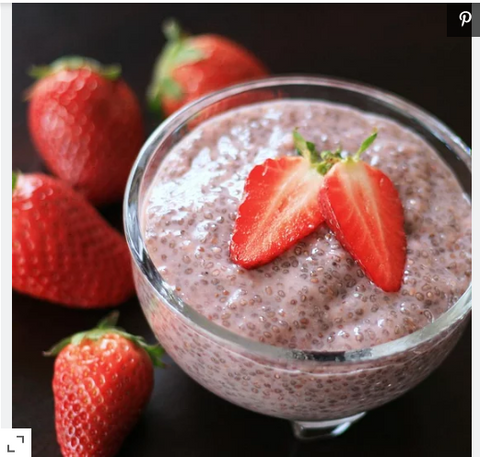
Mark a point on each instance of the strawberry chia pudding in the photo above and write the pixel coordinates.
(314, 298)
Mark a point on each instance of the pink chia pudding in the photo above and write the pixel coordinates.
(314, 297)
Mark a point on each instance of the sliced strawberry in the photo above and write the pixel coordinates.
(364, 211)
(280, 207)
(287, 198)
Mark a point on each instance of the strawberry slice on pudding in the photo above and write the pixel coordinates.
(287, 198)
(280, 206)
(363, 209)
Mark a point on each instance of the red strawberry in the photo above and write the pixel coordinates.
(102, 380)
(280, 207)
(86, 124)
(190, 67)
(63, 250)
(364, 211)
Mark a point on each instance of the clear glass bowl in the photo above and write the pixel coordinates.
(321, 393)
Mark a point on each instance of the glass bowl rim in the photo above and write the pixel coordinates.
(146, 267)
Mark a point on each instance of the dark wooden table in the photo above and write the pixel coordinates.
(402, 48)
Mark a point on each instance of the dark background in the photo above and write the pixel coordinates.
(401, 48)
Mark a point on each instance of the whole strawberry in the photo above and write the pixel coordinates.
(102, 380)
(190, 67)
(86, 124)
(62, 249)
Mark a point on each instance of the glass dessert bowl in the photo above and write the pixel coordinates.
(321, 391)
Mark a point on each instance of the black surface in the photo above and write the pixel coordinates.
(401, 48)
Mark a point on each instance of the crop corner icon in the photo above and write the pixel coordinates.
(459, 19)
(16, 442)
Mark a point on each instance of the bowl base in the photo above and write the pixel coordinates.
(323, 429)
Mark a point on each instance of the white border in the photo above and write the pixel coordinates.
(6, 211)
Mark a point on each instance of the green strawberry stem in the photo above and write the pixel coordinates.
(107, 326)
(305, 148)
(325, 160)
(14, 179)
(365, 145)
(177, 52)
(111, 72)
(110, 321)
(173, 31)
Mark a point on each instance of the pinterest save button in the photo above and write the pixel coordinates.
(461, 20)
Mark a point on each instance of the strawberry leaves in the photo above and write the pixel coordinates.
(305, 148)
(171, 87)
(111, 72)
(107, 326)
(110, 321)
(365, 145)
(177, 52)
(172, 31)
(321, 161)
(325, 160)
